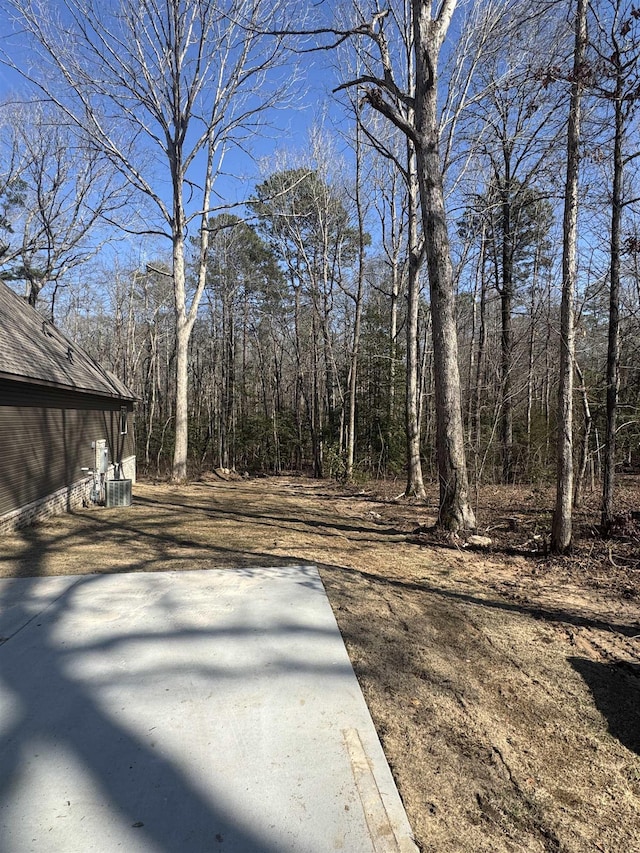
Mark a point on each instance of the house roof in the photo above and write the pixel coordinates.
(34, 351)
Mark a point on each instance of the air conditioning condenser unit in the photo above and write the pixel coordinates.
(118, 493)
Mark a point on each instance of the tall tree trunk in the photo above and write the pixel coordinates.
(455, 512)
(586, 434)
(482, 345)
(393, 350)
(531, 359)
(417, 117)
(546, 384)
(227, 403)
(300, 401)
(562, 518)
(353, 369)
(185, 317)
(613, 347)
(415, 483)
(150, 386)
(471, 367)
(506, 333)
(316, 405)
(183, 332)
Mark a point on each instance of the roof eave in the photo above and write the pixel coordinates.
(93, 392)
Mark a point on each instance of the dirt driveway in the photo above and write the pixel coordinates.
(505, 688)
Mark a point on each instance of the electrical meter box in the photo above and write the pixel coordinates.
(102, 456)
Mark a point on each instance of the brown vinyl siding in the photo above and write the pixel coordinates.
(55, 400)
(46, 435)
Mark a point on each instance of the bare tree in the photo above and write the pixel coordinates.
(401, 153)
(562, 527)
(616, 78)
(389, 200)
(416, 114)
(68, 191)
(357, 298)
(306, 216)
(11, 192)
(163, 90)
(514, 127)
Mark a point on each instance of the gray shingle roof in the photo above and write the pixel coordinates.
(32, 350)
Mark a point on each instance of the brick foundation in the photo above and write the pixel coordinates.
(63, 500)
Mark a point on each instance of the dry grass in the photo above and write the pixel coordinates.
(505, 686)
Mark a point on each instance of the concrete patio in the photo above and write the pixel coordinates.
(184, 712)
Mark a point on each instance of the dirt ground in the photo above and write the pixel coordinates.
(504, 685)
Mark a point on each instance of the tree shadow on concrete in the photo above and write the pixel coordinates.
(50, 710)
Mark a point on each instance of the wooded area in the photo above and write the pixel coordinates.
(443, 284)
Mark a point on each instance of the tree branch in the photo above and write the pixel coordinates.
(374, 97)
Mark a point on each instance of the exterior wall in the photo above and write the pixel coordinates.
(64, 500)
(46, 439)
(128, 470)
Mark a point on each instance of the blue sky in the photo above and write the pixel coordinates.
(291, 124)
(289, 130)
